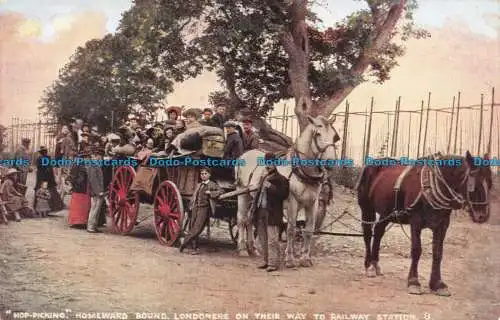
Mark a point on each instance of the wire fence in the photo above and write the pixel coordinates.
(371, 133)
(411, 133)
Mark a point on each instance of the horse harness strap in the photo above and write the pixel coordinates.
(397, 187)
(433, 192)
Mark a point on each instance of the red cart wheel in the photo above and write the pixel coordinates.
(168, 213)
(124, 204)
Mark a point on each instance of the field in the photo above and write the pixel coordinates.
(46, 266)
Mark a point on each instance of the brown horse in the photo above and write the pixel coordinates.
(426, 196)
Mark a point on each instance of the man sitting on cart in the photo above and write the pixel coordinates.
(202, 204)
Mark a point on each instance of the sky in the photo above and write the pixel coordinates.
(462, 54)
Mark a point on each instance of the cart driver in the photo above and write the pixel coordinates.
(202, 204)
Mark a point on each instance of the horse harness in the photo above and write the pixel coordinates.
(314, 178)
(434, 190)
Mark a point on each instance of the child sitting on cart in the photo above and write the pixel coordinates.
(202, 204)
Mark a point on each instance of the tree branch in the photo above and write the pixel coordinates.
(381, 37)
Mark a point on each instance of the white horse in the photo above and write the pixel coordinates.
(317, 141)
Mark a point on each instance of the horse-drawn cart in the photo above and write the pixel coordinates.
(168, 189)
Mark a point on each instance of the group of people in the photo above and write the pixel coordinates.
(88, 184)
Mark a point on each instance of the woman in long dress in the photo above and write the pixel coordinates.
(45, 172)
(79, 207)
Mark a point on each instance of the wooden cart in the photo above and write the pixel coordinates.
(171, 191)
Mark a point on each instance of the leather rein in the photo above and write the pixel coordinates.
(440, 196)
(300, 171)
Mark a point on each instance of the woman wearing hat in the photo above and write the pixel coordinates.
(173, 112)
(46, 173)
(79, 206)
(15, 202)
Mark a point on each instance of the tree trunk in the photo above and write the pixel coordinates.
(295, 40)
(296, 44)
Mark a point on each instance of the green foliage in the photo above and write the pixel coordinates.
(160, 42)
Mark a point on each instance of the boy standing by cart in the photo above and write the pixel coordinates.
(202, 204)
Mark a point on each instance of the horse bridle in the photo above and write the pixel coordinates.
(320, 153)
(320, 150)
(457, 196)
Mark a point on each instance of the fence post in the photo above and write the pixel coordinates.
(448, 145)
(12, 134)
(346, 125)
(39, 142)
(480, 125)
(364, 136)
(286, 119)
(368, 138)
(420, 127)
(396, 129)
(426, 123)
(491, 120)
(456, 127)
(409, 138)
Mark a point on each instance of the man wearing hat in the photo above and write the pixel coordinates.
(233, 147)
(269, 213)
(206, 119)
(192, 115)
(96, 189)
(218, 119)
(201, 205)
(15, 202)
(23, 153)
(250, 138)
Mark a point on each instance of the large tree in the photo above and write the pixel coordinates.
(267, 51)
(262, 51)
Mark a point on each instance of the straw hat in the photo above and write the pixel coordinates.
(11, 171)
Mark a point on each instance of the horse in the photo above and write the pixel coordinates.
(422, 196)
(317, 141)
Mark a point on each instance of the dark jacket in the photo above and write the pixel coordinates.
(276, 194)
(200, 199)
(44, 173)
(233, 147)
(218, 120)
(208, 122)
(250, 141)
(79, 179)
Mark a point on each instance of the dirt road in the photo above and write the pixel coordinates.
(46, 266)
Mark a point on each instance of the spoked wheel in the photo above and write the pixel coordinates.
(233, 229)
(124, 204)
(168, 213)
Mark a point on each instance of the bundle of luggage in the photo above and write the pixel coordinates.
(208, 140)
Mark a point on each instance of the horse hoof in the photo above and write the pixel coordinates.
(379, 272)
(306, 263)
(442, 292)
(370, 272)
(414, 289)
